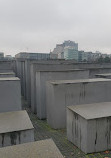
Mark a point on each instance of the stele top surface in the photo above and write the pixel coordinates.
(80, 81)
(107, 74)
(39, 149)
(7, 73)
(60, 70)
(14, 121)
(92, 111)
(9, 79)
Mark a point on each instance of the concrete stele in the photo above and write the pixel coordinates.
(60, 94)
(43, 76)
(91, 123)
(10, 94)
(15, 128)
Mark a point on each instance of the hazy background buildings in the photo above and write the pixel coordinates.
(68, 50)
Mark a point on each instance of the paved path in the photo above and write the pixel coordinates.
(68, 150)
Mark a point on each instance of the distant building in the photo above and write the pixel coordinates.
(62, 48)
(69, 50)
(70, 53)
(84, 56)
(8, 57)
(38, 56)
(1, 55)
(58, 50)
(104, 55)
(71, 44)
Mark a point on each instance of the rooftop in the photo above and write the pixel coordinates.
(106, 74)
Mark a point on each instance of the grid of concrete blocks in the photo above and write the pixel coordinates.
(16, 129)
(70, 95)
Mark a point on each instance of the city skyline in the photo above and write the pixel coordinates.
(37, 26)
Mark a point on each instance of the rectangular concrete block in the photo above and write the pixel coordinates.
(60, 94)
(45, 75)
(105, 75)
(7, 74)
(10, 94)
(45, 65)
(26, 70)
(88, 126)
(39, 149)
(15, 128)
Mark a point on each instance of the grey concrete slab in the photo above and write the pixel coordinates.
(38, 149)
(43, 76)
(60, 94)
(88, 126)
(10, 94)
(15, 128)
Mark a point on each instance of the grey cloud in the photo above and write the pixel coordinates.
(39, 24)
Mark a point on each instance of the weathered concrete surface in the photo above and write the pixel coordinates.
(7, 74)
(88, 126)
(60, 94)
(6, 66)
(10, 94)
(15, 128)
(106, 75)
(43, 76)
(49, 66)
(39, 149)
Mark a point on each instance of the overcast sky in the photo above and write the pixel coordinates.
(38, 25)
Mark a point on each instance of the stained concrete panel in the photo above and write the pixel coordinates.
(60, 94)
(10, 94)
(43, 76)
(88, 126)
(15, 128)
(39, 149)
